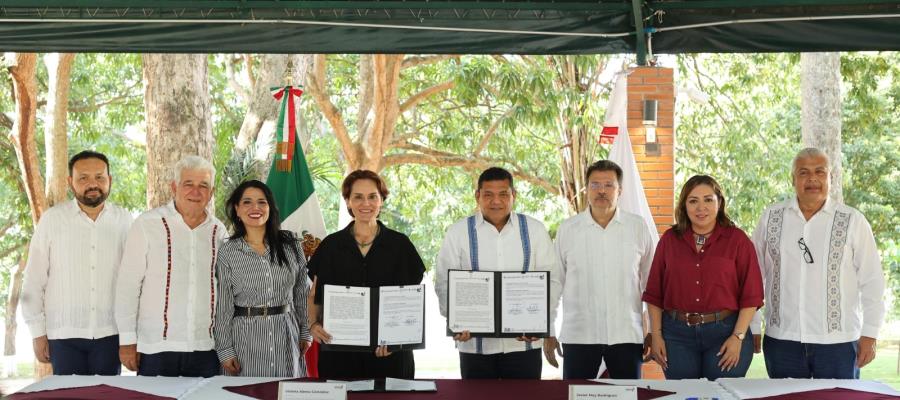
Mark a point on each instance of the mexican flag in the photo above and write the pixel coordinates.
(292, 186)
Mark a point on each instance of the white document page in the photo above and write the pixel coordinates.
(401, 314)
(403, 385)
(523, 303)
(347, 315)
(471, 301)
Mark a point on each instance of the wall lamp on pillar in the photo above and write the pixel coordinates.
(651, 146)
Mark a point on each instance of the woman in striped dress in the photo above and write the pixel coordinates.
(261, 325)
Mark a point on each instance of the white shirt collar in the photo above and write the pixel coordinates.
(586, 214)
(828, 208)
(172, 211)
(513, 221)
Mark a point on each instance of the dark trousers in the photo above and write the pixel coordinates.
(582, 361)
(691, 351)
(85, 356)
(180, 363)
(790, 359)
(515, 365)
(364, 365)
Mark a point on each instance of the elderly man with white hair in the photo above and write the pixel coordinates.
(166, 291)
(823, 279)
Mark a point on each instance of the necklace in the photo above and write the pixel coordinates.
(700, 240)
(363, 245)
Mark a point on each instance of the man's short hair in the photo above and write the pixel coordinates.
(86, 154)
(495, 174)
(604, 165)
(195, 162)
(810, 152)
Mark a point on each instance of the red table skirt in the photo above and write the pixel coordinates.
(87, 393)
(831, 394)
(456, 389)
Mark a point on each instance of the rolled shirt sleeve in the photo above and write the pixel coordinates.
(132, 270)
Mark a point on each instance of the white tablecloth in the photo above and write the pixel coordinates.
(699, 388)
(751, 388)
(160, 386)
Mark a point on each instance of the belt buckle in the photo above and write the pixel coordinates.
(687, 317)
(265, 311)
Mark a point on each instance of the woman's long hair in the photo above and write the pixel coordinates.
(682, 221)
(277, 240)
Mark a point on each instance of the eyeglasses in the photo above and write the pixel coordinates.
(604, 186)
(807, 255)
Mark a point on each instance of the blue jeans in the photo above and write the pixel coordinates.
(85, 356)
(582, 361)
(790, 359)
(691, 350)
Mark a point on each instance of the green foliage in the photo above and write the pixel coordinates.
(748, 133)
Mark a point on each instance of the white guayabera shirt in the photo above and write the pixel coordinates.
(497, 251)
(604, 273)
(831, 295)
(165, 293)
(70, 276)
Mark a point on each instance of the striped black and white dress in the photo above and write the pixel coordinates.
(263, 345)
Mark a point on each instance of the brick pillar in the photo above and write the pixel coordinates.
(657, 170)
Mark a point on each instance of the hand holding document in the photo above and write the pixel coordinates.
(347, 314)
(499, 304)
(399, 313)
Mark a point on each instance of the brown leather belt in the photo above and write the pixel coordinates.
(694, 319)
(259, 311)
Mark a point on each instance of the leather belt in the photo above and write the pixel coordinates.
(259, 311)
(694, 319)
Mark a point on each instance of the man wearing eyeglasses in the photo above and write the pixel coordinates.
(823, 278)
(605, 254)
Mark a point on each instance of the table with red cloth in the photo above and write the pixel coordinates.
(228, 388)
(158, 388)
(107, 387)
(807, 389)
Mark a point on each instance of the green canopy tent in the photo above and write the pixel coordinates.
(446, 26)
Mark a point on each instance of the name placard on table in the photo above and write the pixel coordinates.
(588, 392)
(312, 391)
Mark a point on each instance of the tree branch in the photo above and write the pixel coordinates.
(424, 94)
(490, 132)
(415, 61)
(6, 121)
(438, 158)
(316, 88)
(242, 92)
(94, 106)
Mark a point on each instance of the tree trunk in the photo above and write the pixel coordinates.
(59, 67)
(820, 86)
(176, 104)
(378, 111)
(262, 108)
(25, 89)
(266, 112)
(12, 305)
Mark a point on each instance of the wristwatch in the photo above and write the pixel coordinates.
(740, 336)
